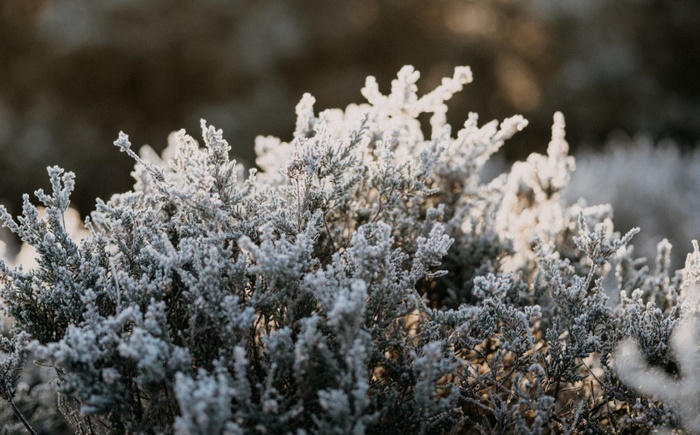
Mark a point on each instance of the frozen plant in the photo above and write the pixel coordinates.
(679, 389)
(363, 280)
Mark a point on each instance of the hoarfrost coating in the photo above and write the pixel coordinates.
(365, 280)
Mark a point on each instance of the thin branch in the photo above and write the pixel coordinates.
(21, 418)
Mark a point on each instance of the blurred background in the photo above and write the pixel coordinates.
(73, 73)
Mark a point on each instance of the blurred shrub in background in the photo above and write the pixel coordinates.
(654, 187)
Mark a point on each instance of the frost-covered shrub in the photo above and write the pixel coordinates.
(365, 280)
(678, 387)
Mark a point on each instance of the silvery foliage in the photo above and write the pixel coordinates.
(365, 280)
(679, 388)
